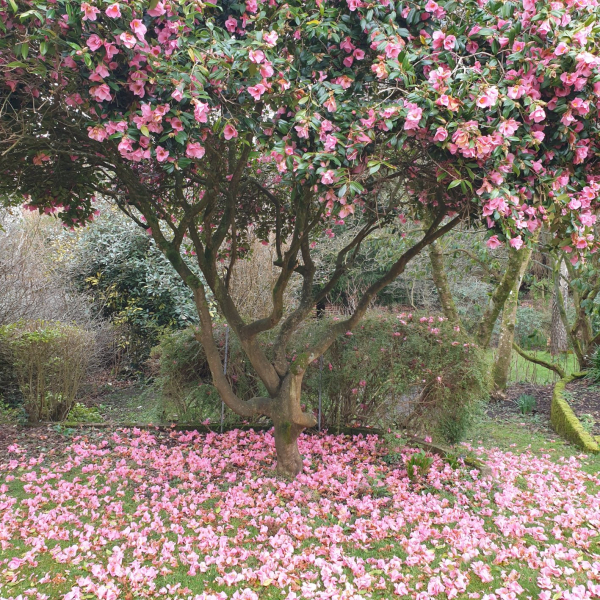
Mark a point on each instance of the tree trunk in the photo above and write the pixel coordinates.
(285, 412)
(507, 328)
(440, 279)
(558, 333)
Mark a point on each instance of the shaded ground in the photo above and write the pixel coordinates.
(584, 397)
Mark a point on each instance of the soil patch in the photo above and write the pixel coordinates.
(583, 395)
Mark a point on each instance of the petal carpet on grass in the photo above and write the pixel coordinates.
(137, 514)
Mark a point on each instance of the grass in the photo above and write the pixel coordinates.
(352, 524)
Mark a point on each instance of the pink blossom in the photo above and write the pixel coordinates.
(449, 42)
(194, 150)
(113, 11)
(231, 24)
(201, 110)
(128, 40)
(230, 132)
(516, 242)
(440, 134)
(138, 28)
(101, 93)
(161, 154)
(256, 56)
(328, 177)
(271, 38)
(89, 12)
(493, 242)
(94, 42)
(97, 133)
(561, 49)
(538, 114)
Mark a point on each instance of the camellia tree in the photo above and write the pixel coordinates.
(204, 121)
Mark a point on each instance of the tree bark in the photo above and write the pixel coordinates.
(289, 421)
(440, 279)
(558, 332)
(507, 328)
(499, 296)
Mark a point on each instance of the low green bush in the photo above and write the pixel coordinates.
(393, 370)
(50, 360)
(526, 404)
(80, 413)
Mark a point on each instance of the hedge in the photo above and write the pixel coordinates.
(565, 421)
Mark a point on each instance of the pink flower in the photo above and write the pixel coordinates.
(177, 95)
(438, 40)
(127, 39)
(251, 6)
(328, 177)
(270, 38)
(194, 150)
(493, 242)
(201, 111)
(449, 42)
(330, 104)
(231, 24)
(256, 56)
(561, 49)
(113, 11)
(97, 133)
(230, 132)
(161, 154)
(359, 54)
(440, 134)
(94, 42)
(89, 12)
(508, 128)
(257, 91)
(516, 242)
(158, 10)
(138, 28)
(538, 114)
(101, 93)
(413, 117)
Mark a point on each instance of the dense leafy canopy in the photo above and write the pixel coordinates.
(498, 101)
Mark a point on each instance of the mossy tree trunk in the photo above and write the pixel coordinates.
(519, 258)
(440, 279)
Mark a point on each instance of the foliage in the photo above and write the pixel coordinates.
(80, 413)
(183, 378)
(594, 370)
(394, 369)
(418, 465)
(130, 281)
(526, 404)
(208, 123)
(50, 361)
(588, 422)
(531, 328)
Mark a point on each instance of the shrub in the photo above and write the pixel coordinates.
(418, 465)
(50, 360)
(184, 380)
(394, 370)
(594, 368)
(532, 328)
(401, 370)
(80, 413)
(526, 404)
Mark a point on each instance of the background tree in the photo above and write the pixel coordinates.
(203, 123)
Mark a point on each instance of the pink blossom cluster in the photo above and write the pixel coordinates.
(135, 514)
